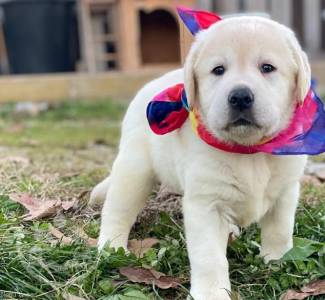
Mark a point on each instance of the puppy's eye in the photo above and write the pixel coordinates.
(267, 68)
(219, 71)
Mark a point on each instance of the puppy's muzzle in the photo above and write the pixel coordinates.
(241, 101)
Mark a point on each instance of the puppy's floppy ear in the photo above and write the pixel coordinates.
(303, 76)
(190, 80)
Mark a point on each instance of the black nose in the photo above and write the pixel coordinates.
(241, 99)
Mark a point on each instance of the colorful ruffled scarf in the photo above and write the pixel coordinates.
(169, 110)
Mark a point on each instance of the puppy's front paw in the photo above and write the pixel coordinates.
(102, 243)
(215, 294)
(112, 243)
(276, 253)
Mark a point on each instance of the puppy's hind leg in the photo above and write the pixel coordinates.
(98, 194)
(131, 182)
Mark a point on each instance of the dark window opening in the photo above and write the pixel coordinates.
(159, 38)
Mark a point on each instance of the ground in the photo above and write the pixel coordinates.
(61, 154)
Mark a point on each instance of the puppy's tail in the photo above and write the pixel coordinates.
(98, 194)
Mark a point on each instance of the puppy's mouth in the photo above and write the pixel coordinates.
(242, 121)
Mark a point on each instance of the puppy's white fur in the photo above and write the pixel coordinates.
(220, 189)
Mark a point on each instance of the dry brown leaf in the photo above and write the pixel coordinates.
(36, 209)
(310, 179)
(312, 289)
(320, 174)
(72, 297)
(84, 236)
(140, 247)
(65, 240)
(83, 194)
(316, 288)
(149, 276)
(40, 209)
(66, 205)
(291, 295)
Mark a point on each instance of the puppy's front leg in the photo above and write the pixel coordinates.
(131, 182)
(207, 236)
(277, 225)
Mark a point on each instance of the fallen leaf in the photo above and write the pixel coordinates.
(149, 276)
(83, 194)
(310, 179)
(140, 247)
(293, 295)
(316, 169)
(315, 287)
(40, 209)
(84, 236)
(235, 296)
(66, 205)
(72, 297)
(59, 235)
(36, 209)
(312, 289)
(320, 174)
(313, 167)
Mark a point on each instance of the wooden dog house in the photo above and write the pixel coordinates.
(129, 34)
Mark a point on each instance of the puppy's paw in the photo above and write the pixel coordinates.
(270, 257)
(269, 254)
(102, 243)
(119, 241)
(215, 294)
(111, 244)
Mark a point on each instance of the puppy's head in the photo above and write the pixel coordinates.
(246, 76)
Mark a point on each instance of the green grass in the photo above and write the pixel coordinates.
(71, 124)
(33, 268)
(67, 150)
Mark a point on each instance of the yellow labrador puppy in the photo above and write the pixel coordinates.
(241, 58)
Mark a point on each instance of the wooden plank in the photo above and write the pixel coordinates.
(105, 38)
(86, 36)
(97, 25)
(58, 87)
(129, 33)
(107, 57)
